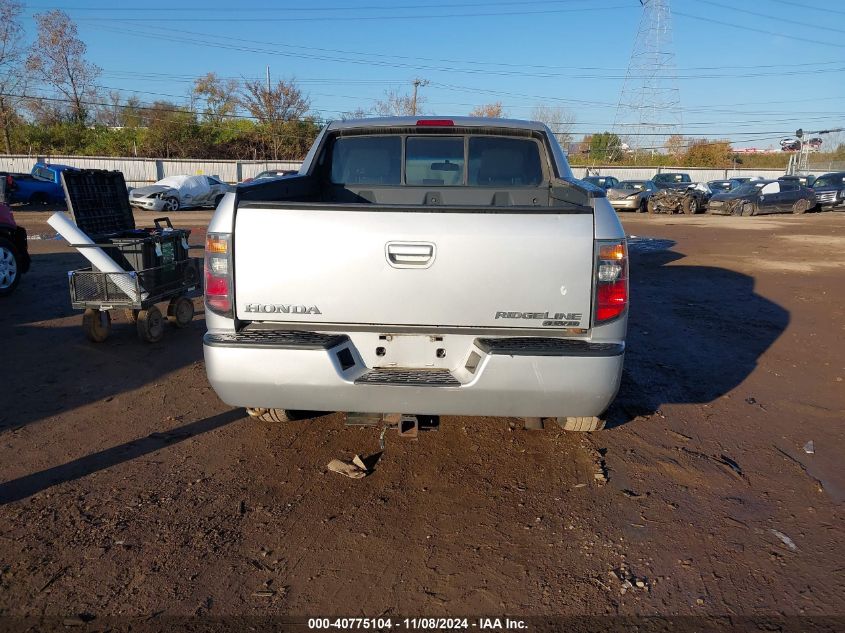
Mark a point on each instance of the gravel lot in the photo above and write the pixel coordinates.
(127, 489)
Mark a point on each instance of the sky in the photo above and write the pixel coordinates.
(749, 71)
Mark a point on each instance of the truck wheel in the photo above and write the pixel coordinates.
(38, 198)
(583, 424)
(749, 208)
(651, 207)
(801, 206)
(180, 311)
(9, 276)
(269, 415)
(97, 324)
(150, 325)
(690, 205)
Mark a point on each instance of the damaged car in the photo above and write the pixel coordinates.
(179, 192)
(678, 194)
(761, 197)
(631, 195)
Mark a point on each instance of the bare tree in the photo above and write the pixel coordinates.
(282, 102)
(357, 113)
(219, 95)
(675, 145)
(560, 121)
(111, 113)
(489, 110)
(278, 108)
(58, 59)
(12, 77)
(397, 104)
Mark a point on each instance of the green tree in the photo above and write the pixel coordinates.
(605, 147)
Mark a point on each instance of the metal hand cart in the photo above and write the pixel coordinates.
(98, 293)
(156, 263)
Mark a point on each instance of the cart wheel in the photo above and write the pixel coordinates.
(131, 315)
(180, 311)
(150, 325)
(97, 324)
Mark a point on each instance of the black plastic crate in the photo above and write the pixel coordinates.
(99, 202)
(158, 250)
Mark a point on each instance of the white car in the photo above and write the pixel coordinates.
(179, 192)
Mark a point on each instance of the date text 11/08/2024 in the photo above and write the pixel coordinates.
(380, 624)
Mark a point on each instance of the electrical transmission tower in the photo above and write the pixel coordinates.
(649, 109)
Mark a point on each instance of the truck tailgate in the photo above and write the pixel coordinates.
(362, 265)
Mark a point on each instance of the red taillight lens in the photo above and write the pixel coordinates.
(611, 280)
(218, 268)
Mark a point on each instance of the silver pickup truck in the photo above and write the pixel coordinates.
(420, 266)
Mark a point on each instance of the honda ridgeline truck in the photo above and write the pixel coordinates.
(420, 266)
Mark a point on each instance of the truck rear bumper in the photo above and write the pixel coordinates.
(531, 377)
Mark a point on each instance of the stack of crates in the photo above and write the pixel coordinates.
(99, 202)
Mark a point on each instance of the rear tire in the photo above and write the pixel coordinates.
(690, 205)
(269, 415)
(38, 198)
(150, 325)
(97, 324)
(9, 267)
(801, 206)
(581, 424)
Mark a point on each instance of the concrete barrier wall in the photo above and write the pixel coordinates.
(143, 171)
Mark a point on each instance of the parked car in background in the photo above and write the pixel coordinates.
(721, 186)
(605, 182)
(761, 197)
(744, 179)
(271, 173)
(41, 186)
(631, 195)
(14, 255)
(804, 180)
(671, 180)
(830, 190)
(180, 192)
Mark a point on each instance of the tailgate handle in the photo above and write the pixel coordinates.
(410, 254)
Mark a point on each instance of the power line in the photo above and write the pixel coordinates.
(380, 18)
(771, 17)
(755, 30)
(808, 6)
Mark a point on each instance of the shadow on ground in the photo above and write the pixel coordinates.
(694, 332)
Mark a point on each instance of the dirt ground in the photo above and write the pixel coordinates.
(128, 490)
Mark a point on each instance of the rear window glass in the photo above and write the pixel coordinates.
(43, 174)
(434, 161)
(506, 162)
(367, 160)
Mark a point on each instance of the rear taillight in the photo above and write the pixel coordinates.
(611, 280)
(218, 273)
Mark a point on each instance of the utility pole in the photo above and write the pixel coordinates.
(268, 79)
(417, 83)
